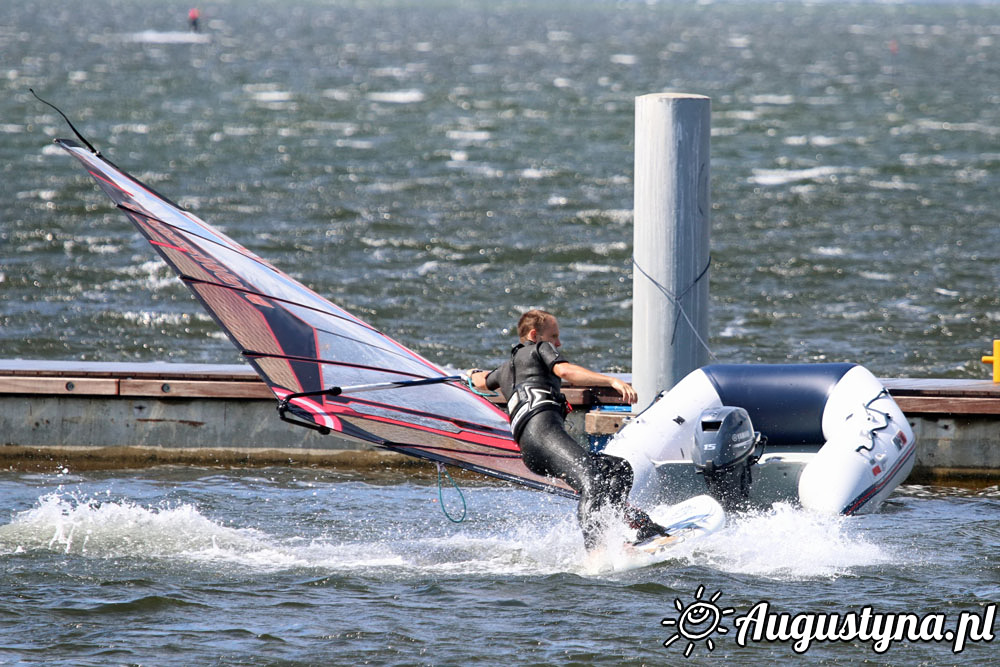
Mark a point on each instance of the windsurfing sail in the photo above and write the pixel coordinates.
(302, 345)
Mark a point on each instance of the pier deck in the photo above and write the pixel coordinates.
(95, 414)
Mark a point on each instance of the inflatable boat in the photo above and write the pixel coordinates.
(827, 436)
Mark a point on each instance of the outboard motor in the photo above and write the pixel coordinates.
(725, 449)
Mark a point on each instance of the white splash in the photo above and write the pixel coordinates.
(107, 528)
(169, 37)
(788, 544)
(784, 544)
(787, 176)
(113, 529)
(411, 96)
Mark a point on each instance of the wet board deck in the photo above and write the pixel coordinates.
(687, 521)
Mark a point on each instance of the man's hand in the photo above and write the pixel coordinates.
(477, 378)
(625, 389)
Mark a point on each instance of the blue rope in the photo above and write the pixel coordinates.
(472, 388)
(465, 508)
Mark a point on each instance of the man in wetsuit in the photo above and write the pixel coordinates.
(530, 382)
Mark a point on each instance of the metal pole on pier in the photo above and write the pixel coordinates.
(670, 241)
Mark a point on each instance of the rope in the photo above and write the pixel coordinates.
(872, 433)
(465, 510)
(68, 122)
(676, 300)
(472, 388)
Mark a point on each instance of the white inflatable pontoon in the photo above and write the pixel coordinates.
(830, 438)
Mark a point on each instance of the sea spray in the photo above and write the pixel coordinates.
(789, 543)
(108, 528)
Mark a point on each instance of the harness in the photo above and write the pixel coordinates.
(533, 394)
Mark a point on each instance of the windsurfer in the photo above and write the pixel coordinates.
(530, 381)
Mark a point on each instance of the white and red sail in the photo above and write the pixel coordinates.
(299, 342)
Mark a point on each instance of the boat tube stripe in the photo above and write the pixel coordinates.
(869, 493)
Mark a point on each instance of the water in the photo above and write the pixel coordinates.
(435, 167)
(171, 566)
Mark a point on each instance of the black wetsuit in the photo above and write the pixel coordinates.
(537, 410)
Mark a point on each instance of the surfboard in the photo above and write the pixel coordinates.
(690, 520)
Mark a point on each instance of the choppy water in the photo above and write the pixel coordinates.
(281, 566)
(438, 166)
(435, 167)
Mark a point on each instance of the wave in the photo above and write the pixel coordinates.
(786, 176)
(787, 543)
(784, 543)
(114, 529)
(411, 96)
(168, 37)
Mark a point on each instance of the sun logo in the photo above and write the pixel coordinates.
(697, 621)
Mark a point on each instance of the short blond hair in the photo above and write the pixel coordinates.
(533, 319)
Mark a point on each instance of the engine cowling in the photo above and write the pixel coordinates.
(725, 449)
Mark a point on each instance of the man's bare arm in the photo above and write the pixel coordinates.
(581, 376)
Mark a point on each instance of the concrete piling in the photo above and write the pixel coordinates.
(670, 241)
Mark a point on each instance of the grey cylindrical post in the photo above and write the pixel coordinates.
(671, 237)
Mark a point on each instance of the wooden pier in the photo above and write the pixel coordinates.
(108, 415)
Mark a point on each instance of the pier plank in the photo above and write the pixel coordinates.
(168, 387)
(106, 369)
(52, 410)
(59, 385)
(948, 405)
(942, 387)
(44, 377)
